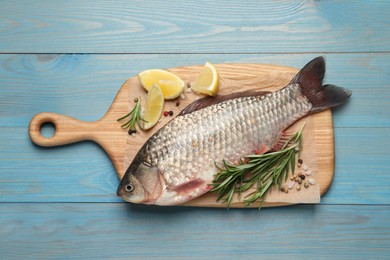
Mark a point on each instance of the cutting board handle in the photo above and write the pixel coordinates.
(67, 129)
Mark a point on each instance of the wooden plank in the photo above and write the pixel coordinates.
(83, 173)
(66, 83)
(121, 231)
(193, 27)
(362, 166)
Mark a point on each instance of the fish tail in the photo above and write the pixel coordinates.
(310, 79)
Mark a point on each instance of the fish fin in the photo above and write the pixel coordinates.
(310, 79)
(261, 150)
(209, 101)
(189, 186)
(284, 137)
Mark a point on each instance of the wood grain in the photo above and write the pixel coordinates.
(191, 27)
(124, 231)
(233, 77)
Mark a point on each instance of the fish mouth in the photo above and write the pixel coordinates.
(128, 199)
(120, 192)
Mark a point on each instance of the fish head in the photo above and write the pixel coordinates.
(142, 183)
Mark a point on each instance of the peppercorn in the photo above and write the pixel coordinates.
(178, 103)
(170, 113)
(306, 184)
(302, 176)
(299, 180)
(298, 187)
(132, 131)
(283, 189)
(166, 113)
(135, 100)
(300, 161)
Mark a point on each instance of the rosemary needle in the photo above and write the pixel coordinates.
(262, 171)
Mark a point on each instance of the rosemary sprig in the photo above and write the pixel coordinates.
(263, 170)
(135, 117)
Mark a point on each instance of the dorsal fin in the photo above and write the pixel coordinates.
(209, 101)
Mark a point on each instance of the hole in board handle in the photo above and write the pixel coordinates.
(47, 130)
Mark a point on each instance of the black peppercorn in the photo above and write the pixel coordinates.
(132, 131)
(170, 113)
(300, 161)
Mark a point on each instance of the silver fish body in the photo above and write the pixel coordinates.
(177, 163)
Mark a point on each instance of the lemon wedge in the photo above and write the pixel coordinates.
(207, 81)
(154, 107)
(171, 85)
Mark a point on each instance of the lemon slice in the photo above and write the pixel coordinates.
(171, 85)
(207, 81)
(154, 107)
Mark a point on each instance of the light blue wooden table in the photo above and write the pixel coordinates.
(71, 57)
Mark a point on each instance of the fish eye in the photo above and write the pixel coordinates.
(129, 187)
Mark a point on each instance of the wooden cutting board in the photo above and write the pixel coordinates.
(121, 147)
